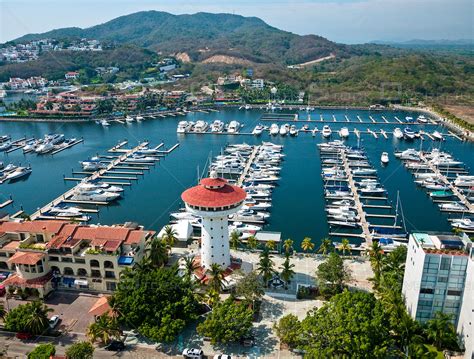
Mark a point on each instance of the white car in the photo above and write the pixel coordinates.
(193, 353)
(53, 321)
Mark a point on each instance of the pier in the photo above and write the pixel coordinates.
(241, 179)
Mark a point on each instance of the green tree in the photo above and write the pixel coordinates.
(252, 243)
(228, 322)
(157, 252)
(441, 331)
(288, 330)
(288, 245)
(265, 266)
(376, 260)
(271, 245)
(332, 275)
(250, 287)
(345, 246)
(287, 272)
(158, 302)
(307, 244)
(190, 267)
(216, 277)
(42, 351)
(170, 235)
(235, 240)
(350, 325)
(144, 265)
(103, 329)
(325, 247)
(3, 312)
(31, 318)
(80, 350)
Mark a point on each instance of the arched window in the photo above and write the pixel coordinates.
(3, 265)
(82, 272)
(95, 263)
(108, 264)
(55, 270)
(68, 271)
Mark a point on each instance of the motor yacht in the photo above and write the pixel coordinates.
(408, 133)
(97, 195)
(363, 171)
(201, 126)
(344, 132)
(274, 129)
(129, 119)
(139, 118)
(326, 131)
(293, 131)
(217, 126)
(284, 129)
(44, 148)
(437, 136)
(464, 224)
(257, 131)
(384, 158)
(234, 127)
(182, 127)
(90, 186)
(452, 206)
(16, 174)
(422, 119)
(92, 164)
(397, 133)
(5, 146)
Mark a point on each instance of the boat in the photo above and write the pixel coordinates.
(422, 119)
(139, 118)
(234, 127)
(140, 158)
(384, 158)
(90, 186)
(388, 244)
(437, 136)
(182, 127)
(372, 190)
(463, 223)
(5, 146)
(441, 194)
(284, 129)
(363, 171)
(257, 131)
(92, 164)
(217, 126)
(97, 195)
(408, 133)
(201, 126)
(44, 148)
(452, 206)
(293, 131)
(65, 211)
(274, 129)
(326, 131)
(344, 132)
(104, 123)
(397, 133)
(16, 174)
(129, 119)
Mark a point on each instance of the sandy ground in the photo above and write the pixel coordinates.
(464, 112)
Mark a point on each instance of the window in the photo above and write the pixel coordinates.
(445, 263)
(82, 272)
(54, 259)
(66, 259)
(108, 264)
(109, 274)
(442, 279)
(95, 263)
(39, 238)
(427, 290)
(111, 286)
(454, 292)
(68, 271)
(95, 273)
(80, 260)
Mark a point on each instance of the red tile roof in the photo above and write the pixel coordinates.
(16, 280)
(204, 196)
(11, 246)
(26, 257)
(32, 226)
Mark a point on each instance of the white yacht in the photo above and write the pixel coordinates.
(363, 171)
(217, 126)
(182, 127)
(104, 123)
(422, 119)
(326, 131)
(18, 173)
(257, 131)
(293, 131)
(344, 132)
(96, 195)
(397, 133)
(93, 164)
(452, 206)
(274, 129)
(284, 129)
(129, 119)
(384, 158)
(44, 148)
(464, 223)
(139, 118)
(437, 136)
(5, 146)
(88, 186)
(234, 127)
(201, 126)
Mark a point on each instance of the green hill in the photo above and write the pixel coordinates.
(204, 35)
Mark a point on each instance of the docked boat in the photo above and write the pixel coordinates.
(234, 127)
(5, 146)
(257, 131)
(408, 133)
(437, 136)
(344, 132)
(129, 119)
(397, 133)
(44, 148)
(183, 127)
(464, 181)
(97, 195)
(201, 126)
(139, 118)
(18, 173)
(363, 171)
(293, 131)
(464, 223)
(452, 206)
(140, 158)
(384, 158)
(372, 190)
(326, 132)
(104, 123)
(274, 129)
(217, 126)
(284, 129)
(91, 186)
(65, 211)
(92, 164)
(422, 119)
(441, 194)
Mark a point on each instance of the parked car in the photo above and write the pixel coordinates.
(222, 356)
(115, 346)
(23, 336)
(53, 321)
(193, 353)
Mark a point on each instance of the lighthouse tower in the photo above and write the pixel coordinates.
(214, 200)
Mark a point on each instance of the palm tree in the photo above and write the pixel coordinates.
(212, 297)
(252, 243)
(307, 244)
(189, 267)
(114, 306)
(103, 329)
(325, 246)
(144, 265)
(216, 280)
(287, 271)
(157, 251)
(235, 240)
(440, 330)
(265, 266)
(376, 259)
(288, 245)
(170, 235)
(271, 245)
(345, 246)
(38, 317)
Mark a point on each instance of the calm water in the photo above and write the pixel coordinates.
(298, 205)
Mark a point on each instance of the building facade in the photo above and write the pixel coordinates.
(45, 255)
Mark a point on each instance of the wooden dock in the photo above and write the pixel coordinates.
(247, 165)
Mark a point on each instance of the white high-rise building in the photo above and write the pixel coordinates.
(439, 277)
(214, 200)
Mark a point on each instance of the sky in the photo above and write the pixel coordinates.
(345, 21)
